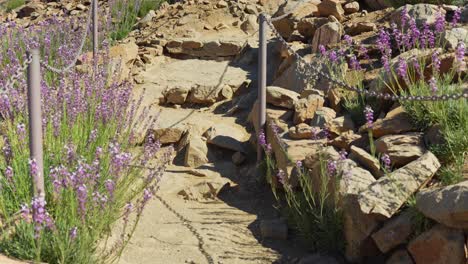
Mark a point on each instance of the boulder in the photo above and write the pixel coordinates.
(281, 97)
(345, 140)
(250, 24)
(400, 257)
(205, 190)
(385, 196)
(305, 108)
(227, 137)
(452, 36)
(323, 116)
(176, 95)
(302, 131)
(196, 152)
(357, 28)
(287, 25)
(146, 20)
(328, 34)
(422, 13)
(394, 232)
(446, 205)
(308, 26)
(204, 94)
(397, 121)
(357, 229)
(403, 148)
(351, 7)
(439, 245)
(341, 125)
(331, 8)
(366, 160)
(122, 58)
(168, 135)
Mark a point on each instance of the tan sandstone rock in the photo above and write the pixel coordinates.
(281, 97)
(403, 148)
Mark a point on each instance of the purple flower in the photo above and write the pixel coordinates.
(348, 39)
(433, 85)
(402, 68)
(440, 22)
(331, 167)
(354, 63)
(343, 154)
(110, 187)
(363, 52)
(299, 164)
(21, 130)
(386, 161)
(404, 16)
(417, 67)
(315, 133)
(73, 233)
(281, 177)
(82, 195)
(127, 211)
(460, 55)
(262, 141)
(456, 17)
(40, 216)
(436, 62)
(369, 114)
(26, 213)
(332, 56)
(9, 173)
(33, 168)
(322, 50)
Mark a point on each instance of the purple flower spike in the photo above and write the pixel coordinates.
(433, 85)
(348, 39)
(73, 233)
(299, 164)
(322, 50)
(343, 154)
(331, 167)
(281, 177)
(369, 114)
(436, 62)
(440, 22)
(402, 68)
(460, 55)
(354, 63)
(332, 56)
(386, 161)
(456, 17)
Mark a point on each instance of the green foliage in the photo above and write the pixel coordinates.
(419, 221)
(125, 13)
(314, 209)
(11, 4)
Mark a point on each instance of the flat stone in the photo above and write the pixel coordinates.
(360, 27)
(345, 140)
(302, 131)
(394, 232)
(403, 148)
(328, 34)
(453, 36)
(196, 153)
(331, 8)
(168, 135)
(323, 116)
(305, 108)
(385, 196)
(439, 245)
(228, 137)
(308, 26)
(176, 95)
(446, 205)
(351, 7)
(341, 125)
(281, 97)
(366, 160)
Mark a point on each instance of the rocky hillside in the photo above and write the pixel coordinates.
(201, 56)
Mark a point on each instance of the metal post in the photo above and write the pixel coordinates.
(95, 29)
(35, 120)
(262, 62)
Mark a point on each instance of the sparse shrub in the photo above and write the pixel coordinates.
(11, 4)
(125, 13)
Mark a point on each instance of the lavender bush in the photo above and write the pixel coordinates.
(93, 174)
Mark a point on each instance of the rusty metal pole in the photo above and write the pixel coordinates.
(262, 63)
(95, 29)
(35, 121)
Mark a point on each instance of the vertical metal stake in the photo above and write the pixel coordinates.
(95, 29)
(35, 120)
(262, 62)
